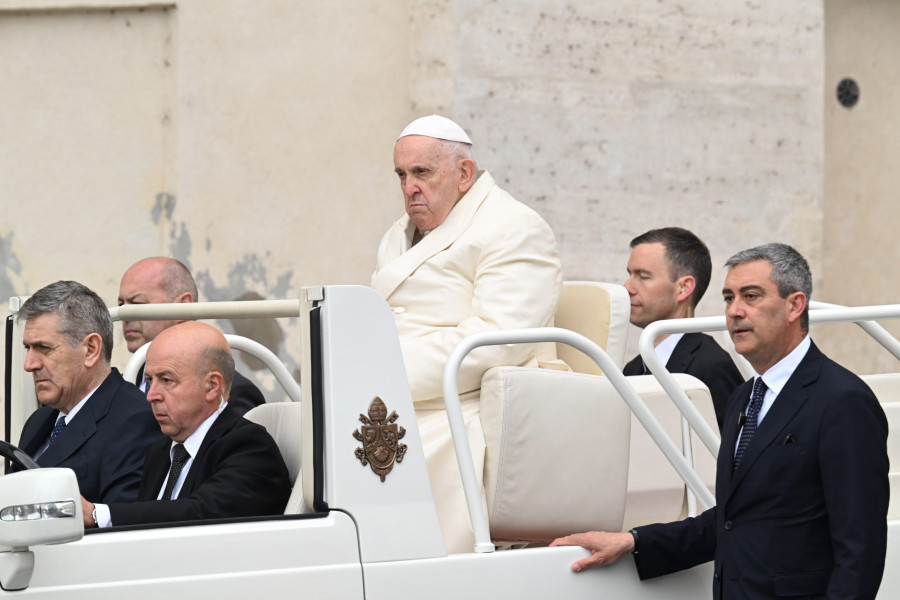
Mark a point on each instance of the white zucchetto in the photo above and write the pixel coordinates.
(438, 127)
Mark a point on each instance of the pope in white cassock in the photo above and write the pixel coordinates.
(465, 258)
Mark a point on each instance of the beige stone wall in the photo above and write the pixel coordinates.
(862, 177)
(611, 118)
(252, 138)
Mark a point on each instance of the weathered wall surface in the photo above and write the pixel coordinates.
(862, 177)
(612, 118)
(253, 139)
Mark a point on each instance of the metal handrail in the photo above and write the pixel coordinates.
(648, 353)
(290, 386)
(876, 330)
(616, 378)
(821, 313)
(241, 309)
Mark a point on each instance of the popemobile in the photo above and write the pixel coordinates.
(608, 452)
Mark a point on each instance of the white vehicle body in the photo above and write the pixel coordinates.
(364, 537)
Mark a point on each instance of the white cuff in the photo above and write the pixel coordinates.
(104, 519)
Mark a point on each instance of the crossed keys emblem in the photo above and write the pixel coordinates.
(380, 436)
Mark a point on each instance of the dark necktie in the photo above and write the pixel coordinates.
(179, 457)
(60, 425)
(756, 400)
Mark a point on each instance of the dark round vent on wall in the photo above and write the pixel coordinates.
(848, 93)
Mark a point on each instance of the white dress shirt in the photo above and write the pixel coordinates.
(775, 379)
(191, 444)
(666, 347)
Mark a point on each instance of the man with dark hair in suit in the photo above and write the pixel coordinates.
(92, 421)
(802, 474)
(668, 272)
(160, 280)
(215, 463)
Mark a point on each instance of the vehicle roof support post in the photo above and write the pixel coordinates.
(372, 452)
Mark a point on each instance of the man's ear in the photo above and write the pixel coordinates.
(467, 172)
(685, 285)
(214, 386)
(93, 349)
(182, 298)
(796, 305)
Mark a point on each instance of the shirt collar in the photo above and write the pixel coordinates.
(666, 347)
(777, 376)
(193, 441)
(77, 407)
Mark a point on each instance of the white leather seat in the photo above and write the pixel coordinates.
(282, 421)
(656, 493)
(556, 460)
(886, 387)
(598, 311)
(548, 430)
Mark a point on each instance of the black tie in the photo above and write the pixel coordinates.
(179, 457)
(756, 399)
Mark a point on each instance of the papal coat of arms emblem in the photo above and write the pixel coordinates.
(381, 437)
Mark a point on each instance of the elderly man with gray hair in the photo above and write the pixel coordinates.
(92, 421)
(466, 257)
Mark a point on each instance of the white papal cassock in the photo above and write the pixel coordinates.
(492, 264)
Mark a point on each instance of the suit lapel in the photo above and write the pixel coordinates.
(391, 275)
(791, 398)
(683, 353)
(156, 467)
(223, 423)
(731, 430)
(84, 425)
(41, 432)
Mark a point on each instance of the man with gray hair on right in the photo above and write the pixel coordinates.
(92, 421)
(802, 474)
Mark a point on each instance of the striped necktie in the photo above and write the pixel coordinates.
(756, 399)
(179, 456)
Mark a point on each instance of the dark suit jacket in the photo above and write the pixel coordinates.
(805, 514)
(243, 396)
(104, 444)
(699, 355)
(238, 472)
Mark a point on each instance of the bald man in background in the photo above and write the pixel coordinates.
(161, 280)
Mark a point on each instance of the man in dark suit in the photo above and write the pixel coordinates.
(802, 479)
(216, 464)
(668, 272)
(92, 421)
(161, 280)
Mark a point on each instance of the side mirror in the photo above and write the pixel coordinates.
(39, 506)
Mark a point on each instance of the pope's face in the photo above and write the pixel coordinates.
(430, 179)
